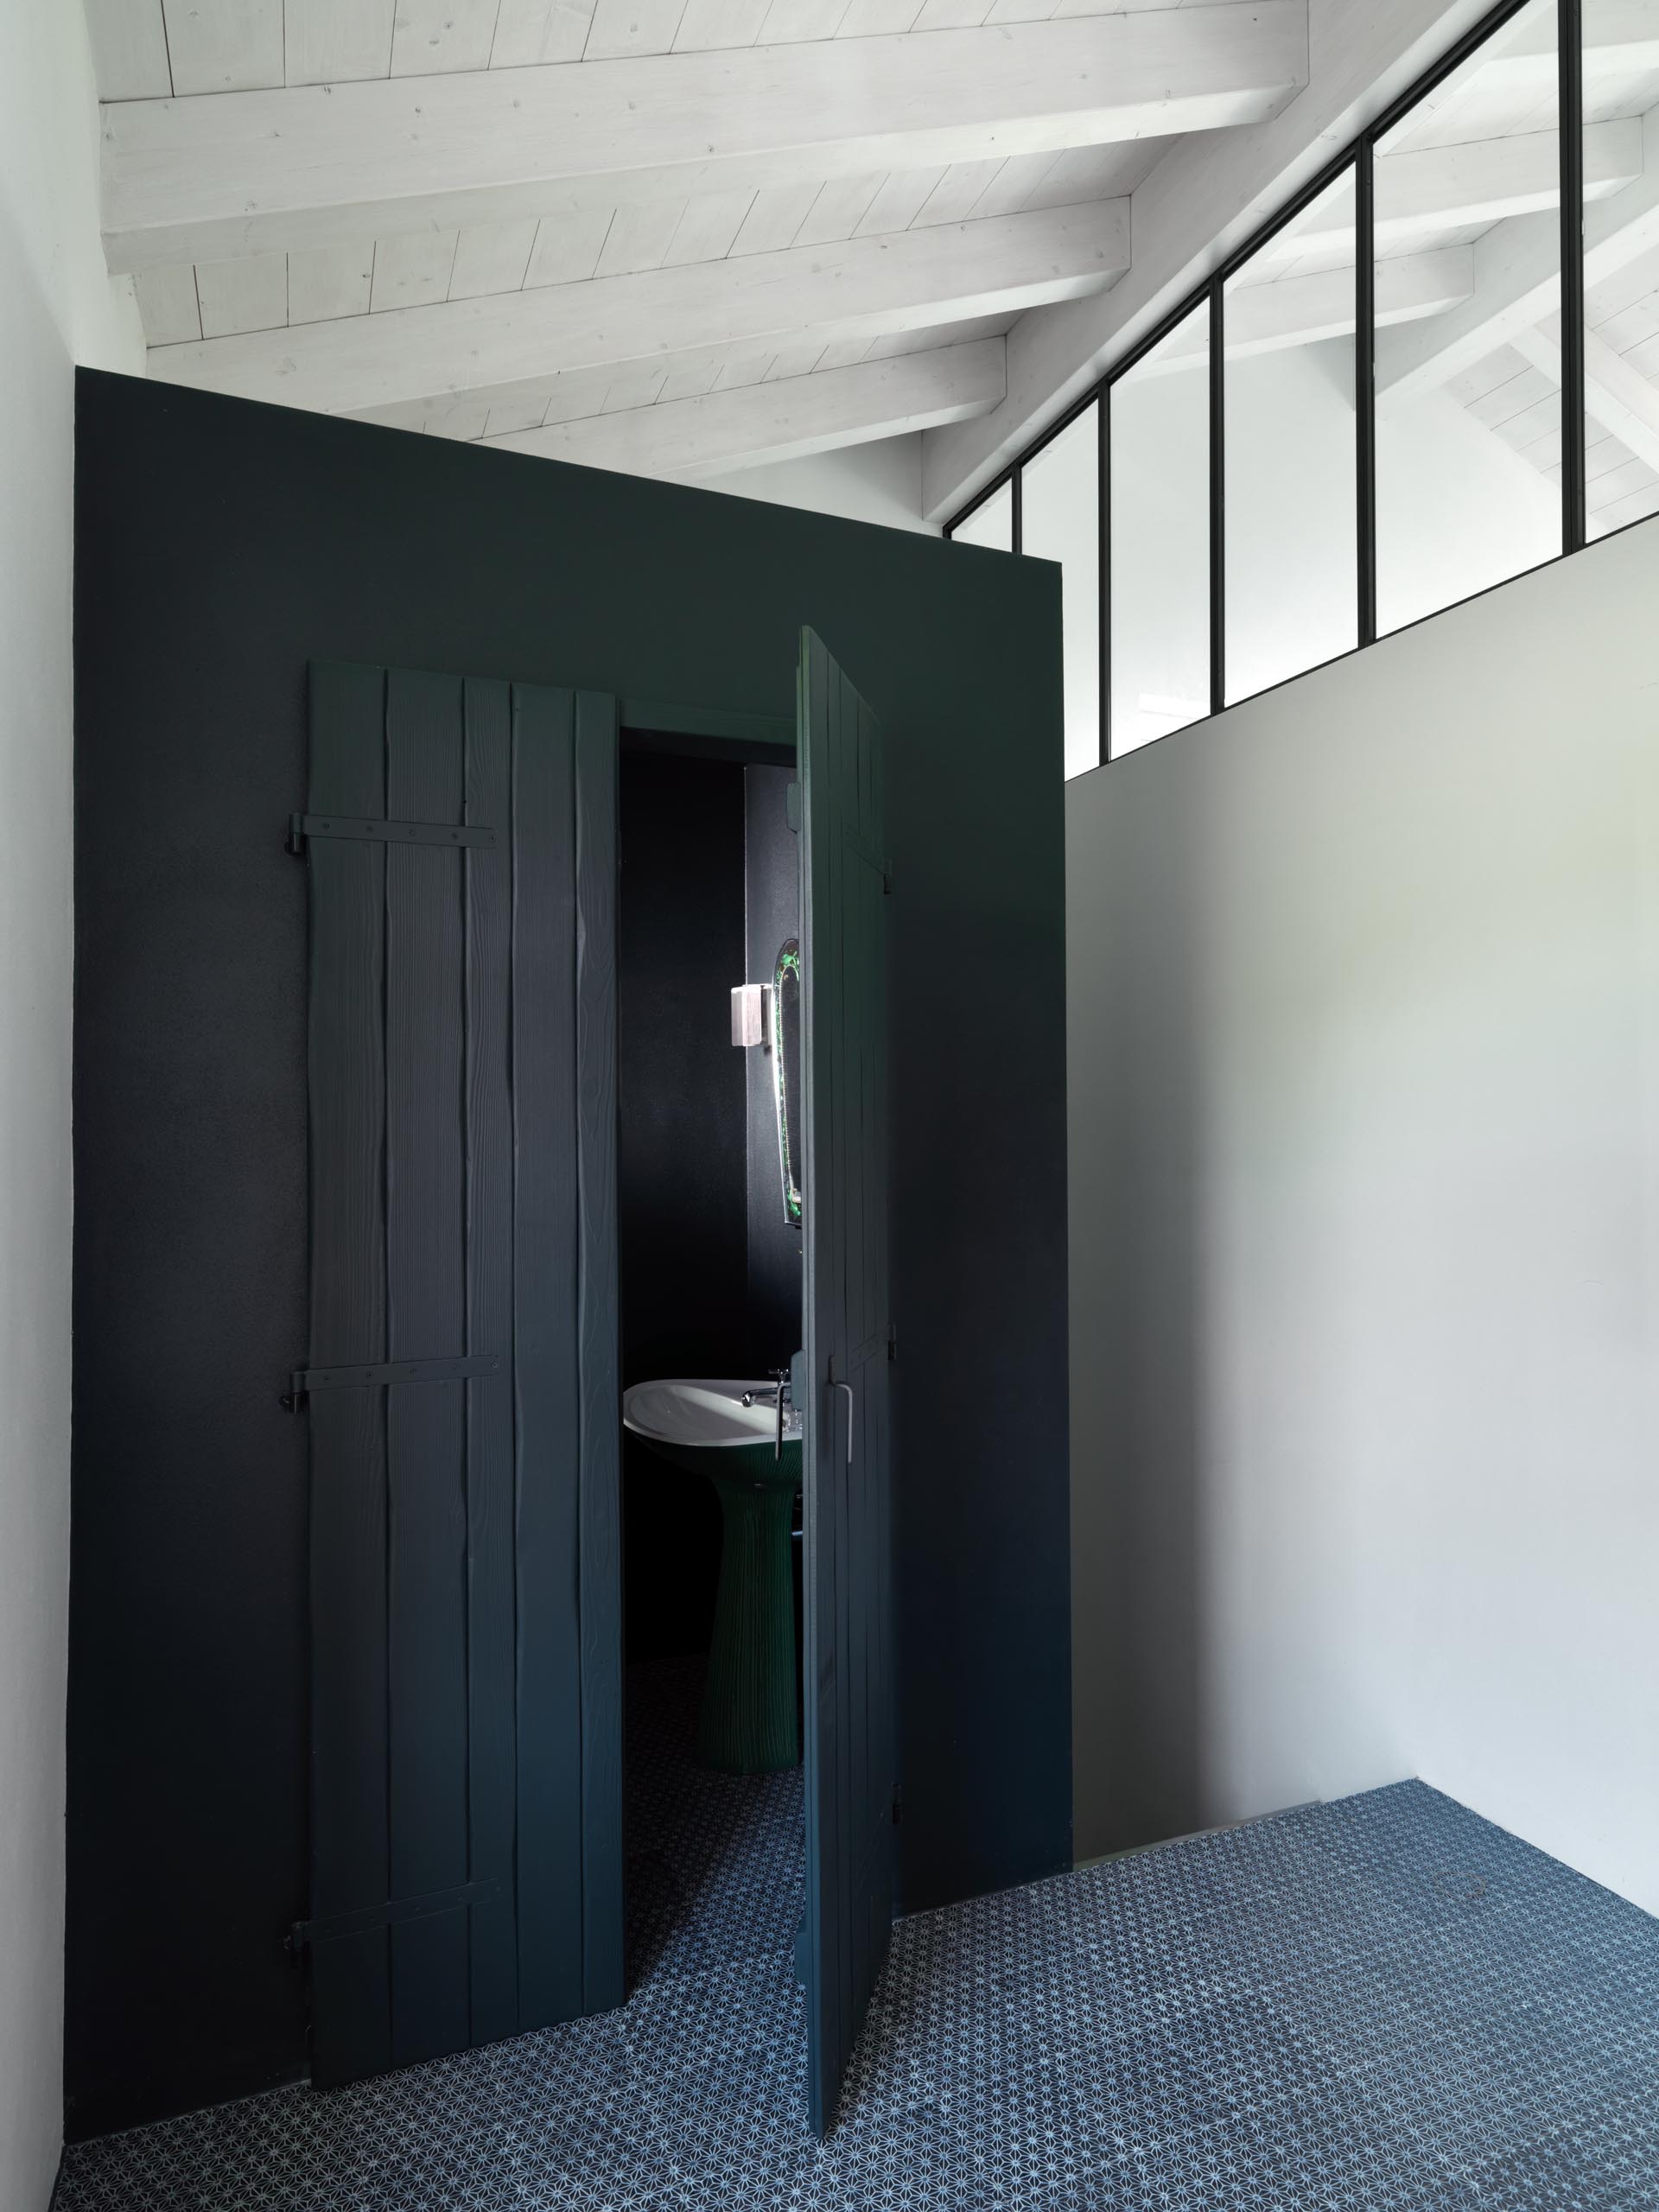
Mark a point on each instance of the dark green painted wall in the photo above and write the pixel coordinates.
(219, 546)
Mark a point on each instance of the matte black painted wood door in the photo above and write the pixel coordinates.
(466, 1820)
(841, 1378)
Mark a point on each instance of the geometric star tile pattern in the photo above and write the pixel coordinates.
(1382, 2004)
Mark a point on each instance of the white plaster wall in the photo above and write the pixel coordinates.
(57, 306)
(1364, 1038)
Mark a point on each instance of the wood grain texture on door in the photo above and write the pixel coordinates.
(843, 1373)
(465, 1595)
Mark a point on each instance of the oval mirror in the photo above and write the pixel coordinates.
(786, 1071)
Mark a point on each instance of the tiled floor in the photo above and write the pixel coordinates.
(1383, 2004)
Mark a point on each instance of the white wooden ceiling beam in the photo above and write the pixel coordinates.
(1518, 284)
(1621, 398)
(1200, 203)
(1620, 38)
(1616, 393)
(1485, 180)
(1303, 310)
(782, 421)
(519, 341)
(220, 176)
(484, 412)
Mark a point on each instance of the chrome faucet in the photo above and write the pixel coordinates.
(779, 1396)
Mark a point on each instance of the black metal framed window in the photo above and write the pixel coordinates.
(1373, 409)
(1160, 623)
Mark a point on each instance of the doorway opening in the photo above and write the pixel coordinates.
(709, 1241)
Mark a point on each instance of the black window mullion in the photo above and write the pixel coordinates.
(1017, 508)
(1573, 323)
(1104, 579)
(1365, 386)
(1217, 504)
(1569, 28)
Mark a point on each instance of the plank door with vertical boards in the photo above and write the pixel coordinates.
(461, 1383)
(841, 1376)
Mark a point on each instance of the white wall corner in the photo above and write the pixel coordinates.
(60, 307)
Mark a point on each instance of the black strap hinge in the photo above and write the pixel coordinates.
(304, 1380)
(305, 1933)
(301, 826)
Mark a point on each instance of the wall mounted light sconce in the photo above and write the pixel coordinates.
(752, 1015)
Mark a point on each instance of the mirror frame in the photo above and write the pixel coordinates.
(786, 966)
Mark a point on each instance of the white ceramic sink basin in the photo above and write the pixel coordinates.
(700, 1412)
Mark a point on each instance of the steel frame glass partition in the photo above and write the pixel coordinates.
(1357, 160)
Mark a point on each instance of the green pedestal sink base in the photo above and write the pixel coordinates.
(749, 1724)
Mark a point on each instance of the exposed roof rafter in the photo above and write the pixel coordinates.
(1518, 284)
(780, 421)
(1615, 395)
(1484, 181)
(226, 175)
(509, 344)
(1303, 310)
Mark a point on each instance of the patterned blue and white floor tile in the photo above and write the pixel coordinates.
(1385, 2004)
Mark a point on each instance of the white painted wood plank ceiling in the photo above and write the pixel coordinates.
(504, 219)
(545, 221)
